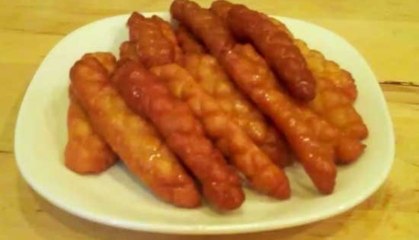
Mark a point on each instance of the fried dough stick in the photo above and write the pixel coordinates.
(221, 9)
(246, 156)
(188, 43)
(211, 77)
(337, 109)
(147, 95)
(133, 138)
(277, 48)
(330, 103)
(322, 67)
(316, 62)
(85, 152)
(128, 51)
(303, 130)
(263, 175)
(227, 194)
(217, 40)
(155, 42)
(347, 148)
(264, 136)
(336, 93)
(316, 156)
(329, 70)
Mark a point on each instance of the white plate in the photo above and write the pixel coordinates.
(116, 198)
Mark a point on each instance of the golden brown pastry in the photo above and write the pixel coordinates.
(311, 138)
(322, 67)
(316, 62)
(187, 42)
(211, 77)
(335, 91)
(128, 51)
(263, 175)
(183, 133)
(155, 42)
(85, 152)
(221, 9)
(130, 136)
(277, 48)
(265, 136)
(202, 23)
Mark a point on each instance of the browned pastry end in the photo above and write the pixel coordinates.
(155, 42)
(86, 152)
(204, 24)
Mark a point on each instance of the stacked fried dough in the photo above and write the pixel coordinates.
(228, 97)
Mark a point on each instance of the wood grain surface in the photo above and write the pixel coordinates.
(386, 32)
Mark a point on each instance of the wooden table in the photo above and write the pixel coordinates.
(386, 32)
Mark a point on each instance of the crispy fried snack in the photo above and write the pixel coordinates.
(277, 48)
(155, 42)
(347, 147)
(187, 42)
(322, 67)
(202, 23)
(316, 62)
(184, 134)
(269, 141)
(169, 34)
(328, 70)
(85, 151)
(263, 175)
(250, 72)
(337, 109)
(212, 78)
(128, 51)
(330, 103)
(335, 93)
(310, 137)
(221, 9)
(133, 138)
(107, 61)
(272, 181)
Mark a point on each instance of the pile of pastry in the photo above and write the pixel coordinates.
(226, 98)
